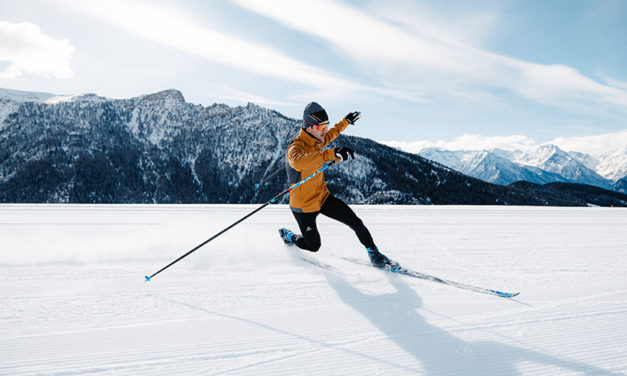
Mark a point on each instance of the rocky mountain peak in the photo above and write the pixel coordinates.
(170, 95)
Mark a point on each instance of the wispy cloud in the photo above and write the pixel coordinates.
(432, 63)
(615, 83)
(230, 93)
(474, 27)
(180, 30)
(29, 51)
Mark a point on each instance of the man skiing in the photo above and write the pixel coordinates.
(304, 157)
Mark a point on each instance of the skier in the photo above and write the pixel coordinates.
(304, 157)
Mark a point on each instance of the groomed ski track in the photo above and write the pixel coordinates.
(74, 300)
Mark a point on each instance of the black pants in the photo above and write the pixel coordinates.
(334, 208)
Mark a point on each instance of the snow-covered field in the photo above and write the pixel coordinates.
(73, 298)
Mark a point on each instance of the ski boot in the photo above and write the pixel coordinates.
(380, 260)
(287, 236)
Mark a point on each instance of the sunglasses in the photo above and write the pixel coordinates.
(322, 127)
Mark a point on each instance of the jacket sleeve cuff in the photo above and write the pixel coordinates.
(328, 155)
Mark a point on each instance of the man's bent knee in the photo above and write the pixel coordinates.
(313, 247)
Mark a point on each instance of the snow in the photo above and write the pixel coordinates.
(74, 300)
(19, 96)
(599, 169)
(24, 96)
(6, 109)
(82, 98)
(613, 166)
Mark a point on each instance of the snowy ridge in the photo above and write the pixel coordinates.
(552, 159)
(495, 166)
(80, 306)
(25, 96)
(147, 143)
(157, 148)
(611, 166)
(547, 164)
(19, 96)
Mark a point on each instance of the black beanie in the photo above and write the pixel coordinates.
(314, 114)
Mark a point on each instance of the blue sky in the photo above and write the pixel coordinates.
(418, 70)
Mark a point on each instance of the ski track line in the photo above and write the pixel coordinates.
(259, 342)
(548, 321)
(191, 357)
(547, 339)
(114, 361)
(350, 331)
(131, 354)
(391, 350)
(327, 361)
(546, 306)
(325, 348)
(579, 299)
(119, 360)
(152, 359)
(550, 317)
(552, 338)
(567, 338)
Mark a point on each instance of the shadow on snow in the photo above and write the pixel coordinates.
(438, 351)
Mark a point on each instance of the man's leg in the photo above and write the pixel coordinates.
(310, 238)
(337, 209)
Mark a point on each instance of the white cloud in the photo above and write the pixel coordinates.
(28, 51)
(429, 61)
(470, 142)
(180, 30)
(595, 145)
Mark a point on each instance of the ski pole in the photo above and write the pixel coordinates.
(148, 278)
(269, 176)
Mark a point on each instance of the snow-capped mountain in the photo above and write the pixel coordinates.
(546, 164)
(25, 96)
(153, 148)
(553, 159)
(492, 166)
(621, 185)
(158, 148)
(611, 165)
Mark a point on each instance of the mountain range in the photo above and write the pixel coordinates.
(158, 148)
(546, 164)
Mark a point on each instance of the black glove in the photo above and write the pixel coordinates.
(344, 153)
(353, 117)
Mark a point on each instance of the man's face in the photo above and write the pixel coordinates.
(319, 131)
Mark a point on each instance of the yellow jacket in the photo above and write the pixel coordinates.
(305, 156)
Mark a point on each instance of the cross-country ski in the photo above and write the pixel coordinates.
(411, 273)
